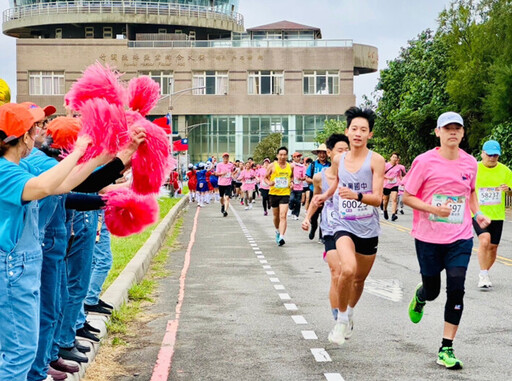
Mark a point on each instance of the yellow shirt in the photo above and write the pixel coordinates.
(281, 177)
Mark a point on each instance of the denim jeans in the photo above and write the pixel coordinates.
(20, 281)
(295, 202)
(78, 266)
(101, 264)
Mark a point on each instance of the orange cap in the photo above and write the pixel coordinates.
(35, 110)
(64, 131)
(15, 120)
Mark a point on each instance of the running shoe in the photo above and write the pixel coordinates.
(289, 213)
(416, 307)
(386, 216)
(277, 237)
(246, 208)
(484, 282)
(350, 328)
(401, 211)
(265, 213)
(222, 209)
(250, 206)
(337, 335)
(394, 217)
(225, 214)
(295, 218)
(281, 241)
(447, 358)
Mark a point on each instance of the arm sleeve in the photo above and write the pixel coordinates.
(102, 177)
(83, 202)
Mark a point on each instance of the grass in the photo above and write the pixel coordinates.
(141, 293)
(125, 248)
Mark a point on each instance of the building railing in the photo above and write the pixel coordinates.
(242, 44)
(120, 7)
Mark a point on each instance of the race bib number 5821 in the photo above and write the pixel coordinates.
(456, 203)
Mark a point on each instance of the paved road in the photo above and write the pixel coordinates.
(255, 311)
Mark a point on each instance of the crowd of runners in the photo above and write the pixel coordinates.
(346, 189)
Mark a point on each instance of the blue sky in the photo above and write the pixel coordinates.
(386, 24)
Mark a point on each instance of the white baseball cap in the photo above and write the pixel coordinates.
(448, 118)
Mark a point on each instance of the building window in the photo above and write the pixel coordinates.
(266, 82)
(214, 82)
(89, 32)
(107, 32)
(46, 82)
(58, 32)
(164, 78)
(321, 82)
(162, 31)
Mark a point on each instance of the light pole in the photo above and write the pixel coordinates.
(189, 128)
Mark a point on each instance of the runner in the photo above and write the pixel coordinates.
(238, 184)
(356, 225)
(393, 174)
(224, 172)
(440, 187)
(264, 188)
(248, 178)
(400, 198)
(336, 143)
(316, 167)
(279, 176)
(493, 179)
(299, 175)
(306, 197)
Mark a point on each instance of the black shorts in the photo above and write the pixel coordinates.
(387, 191)
(365, 246)
(225, 190)
(276, 200)
(238, 185)
(435, 257)
(494, 229)
(329, 243)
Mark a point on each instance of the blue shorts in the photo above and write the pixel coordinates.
(435, 257)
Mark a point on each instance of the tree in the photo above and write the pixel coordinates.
(502, 133)
(331, 126)
(267, 147)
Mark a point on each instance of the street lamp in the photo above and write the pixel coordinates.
(181, 92)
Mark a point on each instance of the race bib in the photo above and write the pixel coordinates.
(227, 175)
(489, 196)
(392, 181)
(281, 182)
(458, 205)
(296, 181)
(354, 210)
(249, 181)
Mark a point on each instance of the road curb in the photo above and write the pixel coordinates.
(134, 271)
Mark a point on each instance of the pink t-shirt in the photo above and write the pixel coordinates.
(248, 178)
(430, 175)
(225, 168)
(262, 172)
(299, 171)
(393, 175)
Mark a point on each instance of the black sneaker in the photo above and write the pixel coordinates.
(222, 209)
(72, 354)
(394, 217)
(105, 304)
(401, 211)
(82, 332)
(281, 242)
(89, 327)
(82, 348)
(97, 309)
(386, 216)
(225, 214)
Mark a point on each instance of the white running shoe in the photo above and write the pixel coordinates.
(250, 206)
(484, 281)
(289, 213)
(246, 208)
(295, 218)
(337, 335)
(350, 328)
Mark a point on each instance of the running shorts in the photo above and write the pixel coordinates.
(494, 229)
(329, 243)
(225, 190)
(387, 191)
(276, 200)
(365, 246)
(435, 257)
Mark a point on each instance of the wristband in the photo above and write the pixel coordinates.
(477, 214)
(359, 197)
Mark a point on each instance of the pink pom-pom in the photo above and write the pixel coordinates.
(150, 164)
(98, 81)
(143, 94)
(106, 124)
(129, 213)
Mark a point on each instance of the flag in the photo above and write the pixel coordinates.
(180, 145)
(165, 122)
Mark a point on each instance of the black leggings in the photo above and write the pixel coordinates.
(265, 199)
(455, 278)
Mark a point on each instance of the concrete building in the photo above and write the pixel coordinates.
(226, 87)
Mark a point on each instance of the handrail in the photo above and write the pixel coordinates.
(343, 43)
(121, 7)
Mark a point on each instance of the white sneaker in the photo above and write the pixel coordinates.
(246, 208)
(250, 206)
(289, 213)
(484, 281)
(350, 328)
(337, 335)
(295, 218)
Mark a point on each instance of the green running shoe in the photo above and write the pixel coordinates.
(416, 307)
(447, 358)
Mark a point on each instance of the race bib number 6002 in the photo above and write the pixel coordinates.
(456, 203)
(354, 210)
(489, 196)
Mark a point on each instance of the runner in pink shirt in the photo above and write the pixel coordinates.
(224, 173)
(299, 175)
(264, 187)
(392, 177)
(248, 178)
(440, 187)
